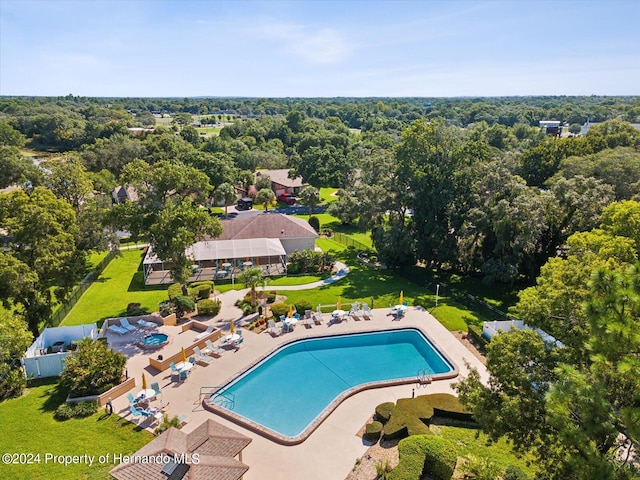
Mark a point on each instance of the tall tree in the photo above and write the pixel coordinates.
(253, 278)
(265, 197)
(309, 196)
(225, 193)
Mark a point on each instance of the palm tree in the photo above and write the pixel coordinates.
(265, 197)
(253, 277)
(310, 197)
(227, 193)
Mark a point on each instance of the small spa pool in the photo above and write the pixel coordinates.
(155, 340)
(291, 391)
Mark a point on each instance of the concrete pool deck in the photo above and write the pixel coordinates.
(332, 449)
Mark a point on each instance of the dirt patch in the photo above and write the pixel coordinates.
(380, 453)
(464, 339)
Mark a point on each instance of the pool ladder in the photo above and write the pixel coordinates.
(424, 377)
(218, 396)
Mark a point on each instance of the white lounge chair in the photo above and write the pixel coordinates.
(144, 324)
(124, 323)
(273, 328)
(117, 329)
(205, 333)
(355, 314)
(317, 318)
(201, 357)
(216, 351)
(367, 314)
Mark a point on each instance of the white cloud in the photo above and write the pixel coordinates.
(324, 46)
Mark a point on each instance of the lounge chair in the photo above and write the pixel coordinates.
(317, 318)
(145, 324)
(216, 351)
(367, 314)
(274, 330)
(355, 314)
(124, 323)
(117, 329)
(201, 357)
(308, 322)
(182, 419)
(205, 333)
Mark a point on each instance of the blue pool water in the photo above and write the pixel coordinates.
(291, 387)
(155, 339)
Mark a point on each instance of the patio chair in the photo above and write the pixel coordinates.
(216, 351)
(192, 361)
(118, 330)
(274, 330)
(296, 316)
(201, 357)
(124, 323)
(182, 375)
(156, 388)
(131, 398)
(239, 342)
(139, 412)
(205, 333)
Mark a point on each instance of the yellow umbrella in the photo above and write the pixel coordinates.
(401, 296)
(184, 355)
(290, 311)
(144, 382)
(339, 304)
(232, 327)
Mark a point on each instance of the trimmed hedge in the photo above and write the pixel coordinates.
(203, 291)
(279, 309)
(373, 431)
(302, 305)
(383, 411)
(314, 222)
(475, 332)
(410, 416)
(202, 282)
(174, 290)
(208, 307)
(448, 406)
(422, 455)
(440, 457)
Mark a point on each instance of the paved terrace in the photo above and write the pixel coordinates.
(331, 451)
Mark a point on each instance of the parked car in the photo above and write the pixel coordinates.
(244, 204)
(286, 198)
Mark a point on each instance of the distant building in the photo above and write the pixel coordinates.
(551, 127)
(281, 183)
(122, 194)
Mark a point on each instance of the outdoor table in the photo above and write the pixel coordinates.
(226, 265)
(146, 394)
(231, 338)
(184, 366)
(338, 314)
(401, 309)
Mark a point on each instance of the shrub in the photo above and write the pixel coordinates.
(448, 406)
(514, 472)
(134, 310)
(75, 410)
(202, 282)
(373, 430)
(475, 332)
(279, 309)
(204, 291)
(309, 261)
(302, 305)
(12, 381)
(167, 423)
(183, 305)
(409, 417)
(174, 290)
(208, 307)
(92, 369)
(440, 457)
(477, 468)
(383, 411)
(314, 222)
(166, 308)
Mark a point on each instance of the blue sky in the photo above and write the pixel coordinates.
(319, 49)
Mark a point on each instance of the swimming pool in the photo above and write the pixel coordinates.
(288, 393)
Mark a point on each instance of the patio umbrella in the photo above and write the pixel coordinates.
(401, 296)
(144, 382)
(232, 327)
(290, 311)
(339, 304)
(184, 355)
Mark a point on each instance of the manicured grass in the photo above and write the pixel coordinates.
(471, 441)
(28, 426)
(298, 280)
(210, 131)
(95, 258)
(327, 194)
(121, 283)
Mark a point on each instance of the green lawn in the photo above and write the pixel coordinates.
(121, 283)
(470, 441)
(327, 194)
(28, 426)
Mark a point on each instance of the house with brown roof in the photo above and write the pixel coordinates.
(281, 183)
(263, 241)
(210, 451)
